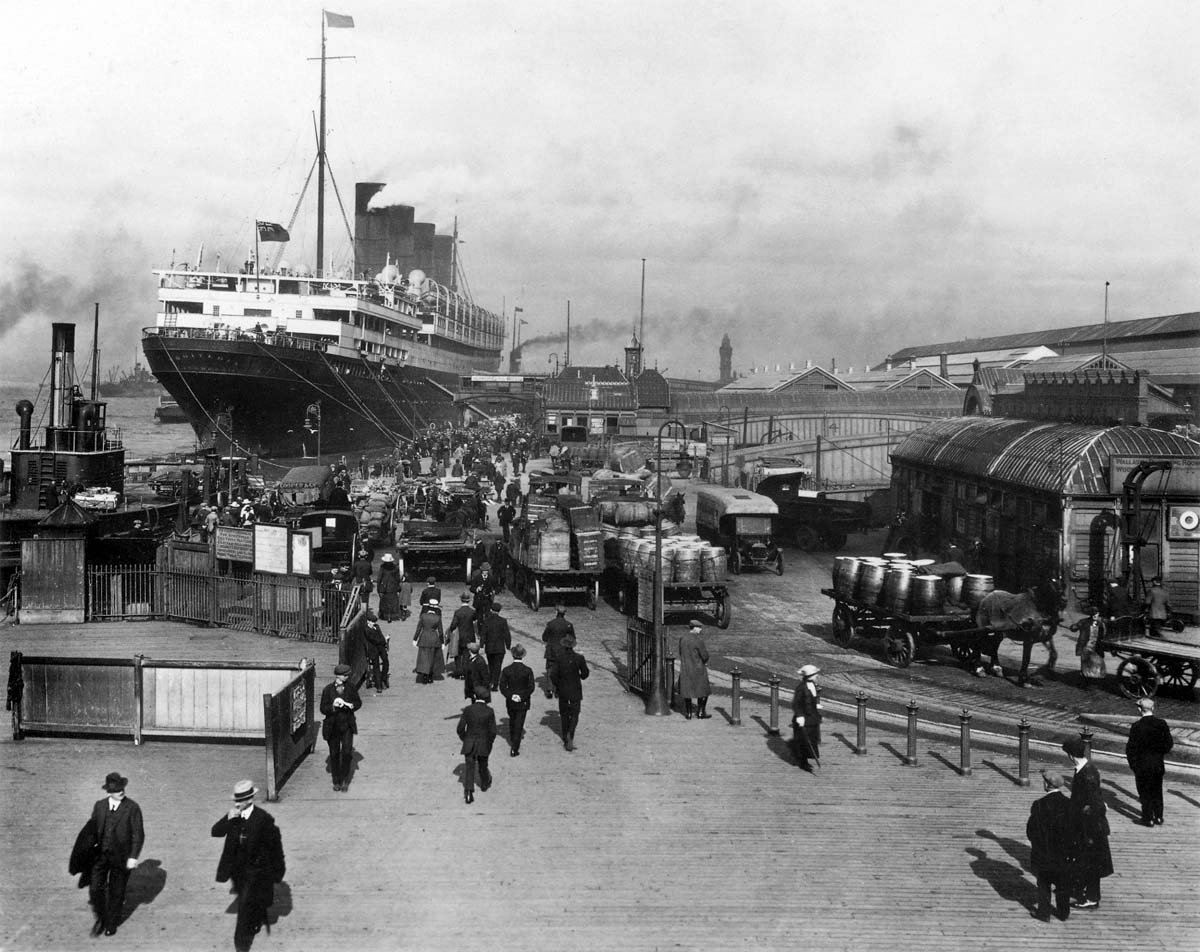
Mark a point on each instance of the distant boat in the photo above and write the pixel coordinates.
(138, 382)
(169, 411)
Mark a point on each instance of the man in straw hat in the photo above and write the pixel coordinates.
(252, 858)
(116, 836)
(339, 701)
(806, 718)
(1149, 742)
(1054, 842)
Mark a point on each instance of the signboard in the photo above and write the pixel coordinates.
(301, 553)
(233, 543)
(299, 705)
(271, 549)
(1182, 480)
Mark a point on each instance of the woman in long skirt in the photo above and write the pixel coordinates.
(428, 642)
(1087, 647)
(388, 586)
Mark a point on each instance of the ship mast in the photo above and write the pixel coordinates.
(321, 164)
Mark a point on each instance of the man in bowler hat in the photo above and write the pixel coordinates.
(556, 630)
(568, 671)
(117, 837)
(339, 701)
(806, 718)
(252, 858)
(496, 637)
(477, 728)
(517, 686)
(1054, 842)
(1149, 742)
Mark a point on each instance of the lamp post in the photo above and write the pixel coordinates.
(553, 357)
(725, 435)
(314, 413)
(658, 699)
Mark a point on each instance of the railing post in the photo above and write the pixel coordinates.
(860, 746)
(1086, 736)
(736, 704)
(911, 757)
(1023, 752)
(139, 697)
(671, 680)
(774, 725)
(964, 730)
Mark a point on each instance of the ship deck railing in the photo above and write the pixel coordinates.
(75, 441)
(273, 337)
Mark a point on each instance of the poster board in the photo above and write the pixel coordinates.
(234, 543)
(301, 553)
(271, 549)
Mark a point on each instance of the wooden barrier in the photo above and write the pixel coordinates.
(213, 700)
(290, 730)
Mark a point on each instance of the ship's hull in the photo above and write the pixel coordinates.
(263, 394)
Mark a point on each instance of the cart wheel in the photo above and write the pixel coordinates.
(593, 595)
(898, 647)
(835, 540)
(843, 625)
(807, 539)
(779, 564)
(1178, 673)
(724, 612)
(1138, 677)
(535, 594)
(735, 563)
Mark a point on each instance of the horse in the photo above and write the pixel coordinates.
(1030, 617)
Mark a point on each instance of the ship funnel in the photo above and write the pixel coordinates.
(25, 415)
(62, 374)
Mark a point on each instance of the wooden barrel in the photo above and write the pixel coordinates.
(975, 588)
(668, 560)
(927, 594)
(954, 588)
(713, 564)
(845, 571)
(894, 593)
(644, 554)
(687, 564)
(869, 583)
(608, 510)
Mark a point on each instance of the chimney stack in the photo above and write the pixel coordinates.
(944, 365)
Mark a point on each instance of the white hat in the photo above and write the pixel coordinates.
(387, 557)
(808, 670)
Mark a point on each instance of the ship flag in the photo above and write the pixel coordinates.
(338, 20)
(269, 231)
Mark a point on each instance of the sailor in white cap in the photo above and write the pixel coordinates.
(806, 718)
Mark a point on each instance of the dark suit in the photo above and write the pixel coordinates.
(253, 858)
(806, 740)
(477, 728)
(496, 640)
(1149, 742)
(517, 686)
(567, 673)
(476, 672)
(557, 629)
(1054, 841)
(118, 838)
(431, 591)
(339, 729)
(1095, 858)
(463, 623)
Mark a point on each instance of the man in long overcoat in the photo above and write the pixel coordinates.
(1149, 742)
(253, 858)
(477, 674)
(496, 639)
(806, 718)
(339, 701)
(1087, 801)
(567, 674)
(460, 634)
(1054, 843)
(116, 837)
(693, 671)
(517, 686)
(556, 630)
(477, 728)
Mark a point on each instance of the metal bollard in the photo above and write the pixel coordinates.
(964, 754)
(1086, 736)
(911, 759)
(1023, 752)
(773, 728)
(671, 681)
(860, 746)
(736, 704)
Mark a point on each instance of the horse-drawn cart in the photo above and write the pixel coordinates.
(904, 633)
(1149, 662)
(635, 594)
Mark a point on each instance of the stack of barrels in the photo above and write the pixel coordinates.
(896, 583)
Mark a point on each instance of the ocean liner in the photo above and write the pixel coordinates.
(290, 362)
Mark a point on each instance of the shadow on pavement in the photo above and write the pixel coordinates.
(282, 906)
(946, 761)
(850, 745)
(992, 765)
(552, 720)
(1176, 793)
(902, 757)
(145, 883)
(1017, 849)
(1008, 880)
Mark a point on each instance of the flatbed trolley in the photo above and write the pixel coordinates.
(1149, 662)
(538, 586)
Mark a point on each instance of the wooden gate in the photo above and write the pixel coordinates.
(639, 646)
(52, 580)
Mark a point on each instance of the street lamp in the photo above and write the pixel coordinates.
(658, 698)
(725, 468)
(555, 359)
(313, 412)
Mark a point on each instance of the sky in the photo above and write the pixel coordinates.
(821, 181)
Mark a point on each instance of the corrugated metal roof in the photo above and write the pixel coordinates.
(1054, 457)
(652, 389)
(575, 394)
(601, 374)
(1173, 324)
